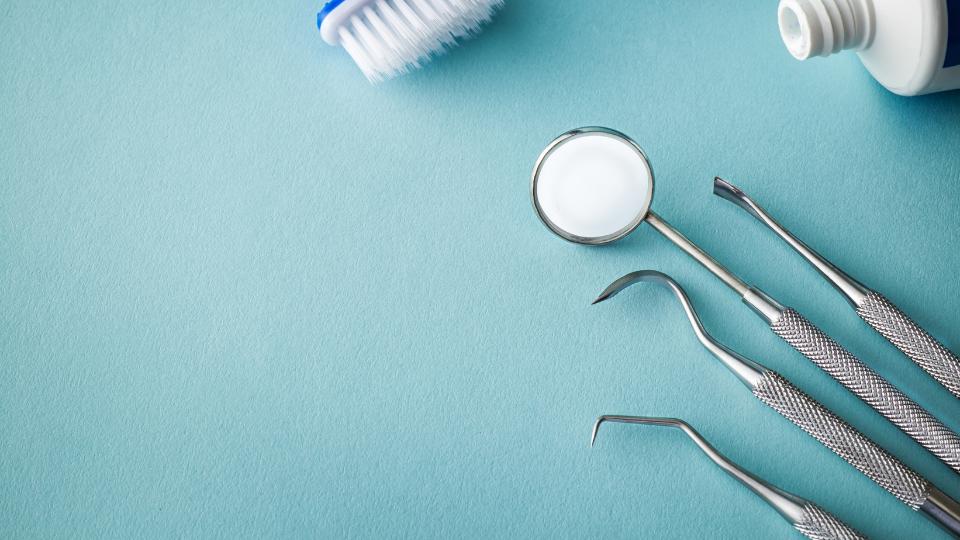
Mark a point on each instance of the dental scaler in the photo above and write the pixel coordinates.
(595, 185)
(811, 416)
(809, 519)
(874, 308)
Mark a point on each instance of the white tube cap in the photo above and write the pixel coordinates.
(823, 27)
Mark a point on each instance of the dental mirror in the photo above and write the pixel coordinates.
(594, 185)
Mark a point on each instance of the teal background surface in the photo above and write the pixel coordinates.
(244, 293)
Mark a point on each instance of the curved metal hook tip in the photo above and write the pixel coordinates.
(790, 506)
(672, 422)
(747, 371)
(635, 277)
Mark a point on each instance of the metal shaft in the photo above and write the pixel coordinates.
(812, 417)
(694, 251)
(943, 510)
(843, 366)
(788, 505)
(852, 289)
(808, 518)
(879, 312)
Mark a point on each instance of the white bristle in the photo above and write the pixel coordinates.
(390, 37)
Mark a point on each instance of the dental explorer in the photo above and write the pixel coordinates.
(808, 518)
(811, 416)
(874, 308)
(595, 185)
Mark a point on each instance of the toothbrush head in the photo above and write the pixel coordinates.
(390, 37)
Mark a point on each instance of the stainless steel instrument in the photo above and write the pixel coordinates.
(879, 312)
(561, 208)
(808, 518)
(812, 417)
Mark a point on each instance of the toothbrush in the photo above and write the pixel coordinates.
(390, 37)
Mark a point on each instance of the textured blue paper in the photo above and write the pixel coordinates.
(243, 293)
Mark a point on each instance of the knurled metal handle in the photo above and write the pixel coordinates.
(913, 341)
(866, 384)
(818, 524)
(843, 439)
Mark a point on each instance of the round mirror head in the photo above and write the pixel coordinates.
(592, 186)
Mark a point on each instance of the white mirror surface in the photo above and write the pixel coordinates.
(593, 187)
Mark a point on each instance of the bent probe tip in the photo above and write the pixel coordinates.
(596, 428)
(624, 282)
